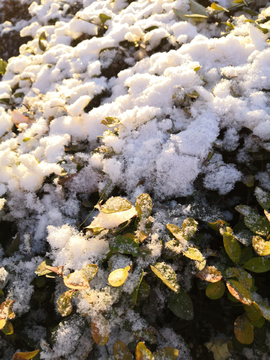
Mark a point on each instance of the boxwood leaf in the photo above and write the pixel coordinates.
(104, 18)
(189, 227)
(148, 334)
(90, 271)
(257, 224)
(180, 14)
(181, 305)
(243, 330)
(253, 311)
(261, 246)
(167, 353)
(210, 274)
(118, 277)
(177, 233)
(41, 41)
(25, 355)
(116, 204)
(8, 328)
(144, 290)
(121, 351)
(100, 330)
(215, 291)
(263, 198)
(144, 206)
(166, 274)
(64, 305)
(135, 292)
(257, 265)
(3, 66)
(239, 291)
(42, 270)
(142, 353)
(197, 8)
(232, 247)
(259, 323)
(193, 253)
(124, 245)
(110, 121)
(76, 281)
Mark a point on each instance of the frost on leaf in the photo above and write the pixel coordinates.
(110, 121)
(143, 206)
(124, 245)
(256, 223)
(121, 351)
(118, 277)
(167, 353)
(261, 246)
(100, 330)
(165, 273)
(193, 254)
(90, 271)
(257, 265)
(76, 281)
(116, 204)
(263, 198)
(64, 305)
(239, 291)
(210, 274)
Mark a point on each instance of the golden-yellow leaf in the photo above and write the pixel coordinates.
(118, 277)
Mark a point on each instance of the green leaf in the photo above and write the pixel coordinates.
(3, 66)
(64, 305)
(246, 254)
(104, 18)
(239, 291)
(259, 323)
(253, 221)
(167, 353)
(166, 274)
(14, 246)
(263, 198)
(142, 353)
(261, 246)
(124, 245)
(215, 291)
(253, 311)
(8, 328)
(197, 8)
(100, 330)
(144, 291)
(194, 94)
(243, 234)
(243, 330)
(196, 69)
(144, 206)
(181, 305)
(135, 292)
(27, 139)
(41, 41)
(151, 28)
(118, 277)
(110, 121)
(116, 204)
(257, 265)
(232, 247)
(18, 94)
(121, 351)
(90, 271)
(217, 225)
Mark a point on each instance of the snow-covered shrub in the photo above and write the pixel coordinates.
(122, 99)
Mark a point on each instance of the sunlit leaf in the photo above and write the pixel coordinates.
(90, 271)
(253, 311)
(193, 253)
(177, 233)
(261, 246)
(142, 353)
(42, 41)
(6, 310)
(215, 291)
(219, 349)
(166, 274)
(64, 305)
(42, 270)
(217, 7)
(104, 18)
(25, 355)
(2, 323)
(232, 247)
(3, 66)
(124, 245)
(110, 121)
(121, 351)
(118, 277)
(100, 330)
(257, 265)
(210, 273)
(144, 206)
(243, 330)
(239, 291)
(76, 281)
(181, 305)
(217, 225)
(196, 69)
(167, 353)
(189, 227)
(116, 204)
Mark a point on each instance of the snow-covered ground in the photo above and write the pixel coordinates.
(168, 87)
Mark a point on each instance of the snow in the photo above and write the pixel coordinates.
(174, 106)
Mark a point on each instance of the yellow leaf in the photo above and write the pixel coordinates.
(210, 274)
(243, 330)
(76, 281)
(25, 355)
(118, 277)
(100, 330)
(261, 246)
